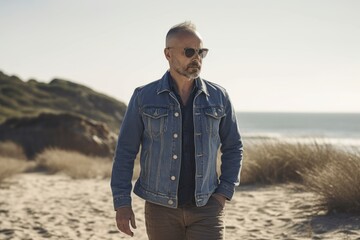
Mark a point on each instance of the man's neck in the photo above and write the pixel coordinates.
(184, 86)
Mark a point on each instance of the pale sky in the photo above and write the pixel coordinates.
(271, 55)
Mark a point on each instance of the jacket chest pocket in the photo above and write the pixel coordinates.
(155, 120)
(213, 117)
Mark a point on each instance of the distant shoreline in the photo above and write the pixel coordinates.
(323, 127)
(348, 144)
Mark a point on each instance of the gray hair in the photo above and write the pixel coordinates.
(184, 27)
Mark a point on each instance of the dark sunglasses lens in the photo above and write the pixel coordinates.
(189, 52)
(203, 52)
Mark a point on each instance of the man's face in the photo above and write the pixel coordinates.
(188, 67)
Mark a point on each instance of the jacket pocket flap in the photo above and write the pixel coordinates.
(215, 112)
(155, 112)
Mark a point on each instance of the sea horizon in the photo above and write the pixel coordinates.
(305, 127)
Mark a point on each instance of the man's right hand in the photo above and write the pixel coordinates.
(124, 215)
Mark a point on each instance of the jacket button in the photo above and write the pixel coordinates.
(175, 135)
(170, 202)
(175, 157)
(173, 178)
(176, 114)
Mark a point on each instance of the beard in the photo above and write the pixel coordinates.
(191, 71)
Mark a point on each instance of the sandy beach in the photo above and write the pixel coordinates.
(41, 206)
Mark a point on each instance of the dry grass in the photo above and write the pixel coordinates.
(280, 162)
(324, 169)
(71, 163)
(74, 164)
(11, 150)
(136, 167)
(12, 160)
(10, 166)
(338, 183)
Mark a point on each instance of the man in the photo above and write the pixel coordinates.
(180, 122)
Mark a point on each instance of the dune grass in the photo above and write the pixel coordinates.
(11, 166)
(338, 183)
(280, 162)
(73, 164)
(12, 150)
(77, 165)
(52, 160)
(332, 173)
(12, 160)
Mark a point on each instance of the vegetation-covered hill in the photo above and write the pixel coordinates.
(19, 98)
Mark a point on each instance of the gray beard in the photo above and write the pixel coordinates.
(190, 75)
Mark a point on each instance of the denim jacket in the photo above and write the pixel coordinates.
(153, 121)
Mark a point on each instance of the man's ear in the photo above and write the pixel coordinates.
(167, 53)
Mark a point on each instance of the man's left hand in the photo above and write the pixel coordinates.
(220, 198)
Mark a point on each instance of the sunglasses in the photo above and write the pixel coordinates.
(190, 52)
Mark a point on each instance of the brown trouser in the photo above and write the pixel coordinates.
(188, 222)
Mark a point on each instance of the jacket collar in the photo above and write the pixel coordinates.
(164, 85)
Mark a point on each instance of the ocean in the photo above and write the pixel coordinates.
(332, 128)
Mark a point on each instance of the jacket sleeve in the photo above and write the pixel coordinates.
(232, 152)
(126, 150)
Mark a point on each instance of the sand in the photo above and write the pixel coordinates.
(40, 206)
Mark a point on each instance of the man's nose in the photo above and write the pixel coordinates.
(197, 56)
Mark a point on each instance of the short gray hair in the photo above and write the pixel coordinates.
(184, 27)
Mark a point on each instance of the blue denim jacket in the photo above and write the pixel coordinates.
(153, 120)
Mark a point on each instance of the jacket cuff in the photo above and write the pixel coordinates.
(121, 201)
(225, 189)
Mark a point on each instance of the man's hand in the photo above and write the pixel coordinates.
(123, 216)
(220, 198)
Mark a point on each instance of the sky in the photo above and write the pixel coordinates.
(270, 55)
